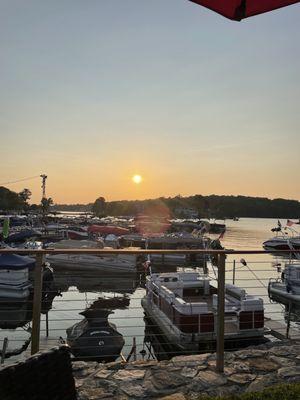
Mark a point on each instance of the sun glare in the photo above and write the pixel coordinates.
(137, 179)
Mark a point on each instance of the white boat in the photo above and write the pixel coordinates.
(282, 243)
(286, 238)
(14, 276)
(286, 290)
(105, 262)
(175, 241)
(184, 307)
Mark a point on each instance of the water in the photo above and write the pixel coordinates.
(79, 290)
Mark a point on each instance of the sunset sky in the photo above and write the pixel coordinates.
(93, 92)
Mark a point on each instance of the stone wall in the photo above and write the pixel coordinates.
(185, 377)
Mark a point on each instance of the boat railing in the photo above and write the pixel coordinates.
(248, 319)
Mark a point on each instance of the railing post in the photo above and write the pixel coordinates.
(233, 273)
(37, 304)
(221, 312)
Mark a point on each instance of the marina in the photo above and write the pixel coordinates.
(149, 206)
(77, 285)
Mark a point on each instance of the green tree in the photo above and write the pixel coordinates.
(9, 200)
(46, 203)
(99, 207)
(25, 195)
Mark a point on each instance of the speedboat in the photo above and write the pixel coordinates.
(184, 307)
(286, 238)
(282, 243)
(286, 289)
(90, 262)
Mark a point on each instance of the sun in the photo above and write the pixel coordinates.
(137, 179)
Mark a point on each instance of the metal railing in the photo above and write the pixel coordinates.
(221, 268)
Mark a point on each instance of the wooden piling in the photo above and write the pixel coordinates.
(37, 303)
(221, 312)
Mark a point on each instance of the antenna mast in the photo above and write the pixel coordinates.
(44, 177)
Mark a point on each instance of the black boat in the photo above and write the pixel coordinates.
(95, 338)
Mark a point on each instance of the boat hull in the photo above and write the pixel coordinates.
(193, 343)
(91, 263)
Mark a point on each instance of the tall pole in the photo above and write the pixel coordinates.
(44, 178)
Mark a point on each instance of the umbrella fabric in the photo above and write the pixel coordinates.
(239, 9)
(106, 230)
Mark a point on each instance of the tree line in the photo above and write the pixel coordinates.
(19, 202)
(212, 206)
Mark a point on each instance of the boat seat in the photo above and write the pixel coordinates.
(230, 304)
(252, 304)
(44, 376)
(190, 308)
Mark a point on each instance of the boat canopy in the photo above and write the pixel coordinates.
(22, 236)
(13, 261)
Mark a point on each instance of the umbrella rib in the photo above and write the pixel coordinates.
(240, 11)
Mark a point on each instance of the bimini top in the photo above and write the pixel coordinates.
(13, 261)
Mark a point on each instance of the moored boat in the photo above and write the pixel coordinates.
(95, 338)
(184, 307)
(14, 276)
(91, 262)
(286, 290)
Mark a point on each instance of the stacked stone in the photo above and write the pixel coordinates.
(185, 377)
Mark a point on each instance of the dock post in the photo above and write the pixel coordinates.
(37, 304)
(221, 312)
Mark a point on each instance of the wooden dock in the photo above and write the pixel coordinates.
(279, 330)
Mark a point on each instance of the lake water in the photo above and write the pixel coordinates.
(80, 290)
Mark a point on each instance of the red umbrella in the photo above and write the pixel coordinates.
(239, 9)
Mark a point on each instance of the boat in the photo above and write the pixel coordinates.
(22, 236)
(95, 338)
(107, 230)
(184, 307)
(91, 262)
(171, 241)
(286, 238)
(75, 233)
(14, 276)
(286, 289)
(282, 243)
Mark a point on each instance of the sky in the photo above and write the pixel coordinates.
(95, 91)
